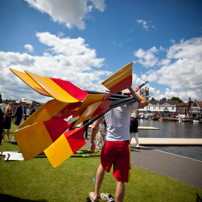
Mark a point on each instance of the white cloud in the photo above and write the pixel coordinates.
(29, 47)
(147, 58)
(164, 62)
(69, 12)
(69, 59)
(145, 25)
(190, 49)
(181, 71)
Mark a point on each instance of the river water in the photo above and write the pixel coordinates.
(174, 129)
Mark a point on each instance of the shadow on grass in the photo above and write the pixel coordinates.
(198, 198)
(8, 198)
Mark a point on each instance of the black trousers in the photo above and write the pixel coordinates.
(86, 133)
(1, 131)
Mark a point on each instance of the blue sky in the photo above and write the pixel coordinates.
(85, 41)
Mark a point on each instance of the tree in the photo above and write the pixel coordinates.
(153, 99)
(163, 99)
(176, 99)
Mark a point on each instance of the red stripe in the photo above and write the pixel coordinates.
(56, 128)
(107, 96)
(125, 83)
(71, 89)
(68, 110)
(104, 106)
(42, 91)
(75, 138)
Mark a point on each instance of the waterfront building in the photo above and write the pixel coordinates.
(196, 109)
(182, 108)
(160, 107)
(173, 108)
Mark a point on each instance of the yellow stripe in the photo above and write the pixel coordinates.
(59, 151)
(52, 88)
(45, 112)
(87, 114)
(33, 140)
(118, 76)
(89, 100)
(29, 81)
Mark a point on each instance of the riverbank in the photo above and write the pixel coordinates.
(178, 119)
(151, 178)
(174, 129)
(167, 118)
(36, 180)
(183, 169)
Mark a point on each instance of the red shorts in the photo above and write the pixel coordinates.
(118, 154)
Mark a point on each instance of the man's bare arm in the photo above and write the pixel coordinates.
(142, 101)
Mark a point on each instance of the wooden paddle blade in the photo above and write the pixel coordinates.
(89, 100)
(33, 139)
(93, 110)
(66, 145)
(30, 82)
(53, 109)
(120, 80)
(61, 90)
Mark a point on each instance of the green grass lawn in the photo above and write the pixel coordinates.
(37, 180)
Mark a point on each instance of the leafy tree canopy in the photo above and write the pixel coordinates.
(153, 99)
(176, 99)
(163, 99)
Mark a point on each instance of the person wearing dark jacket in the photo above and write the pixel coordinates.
(32, 110)
(20, 115)
(134, 129)
(1, 124)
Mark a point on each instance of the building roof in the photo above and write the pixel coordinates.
(163, 102)
(199, 104)
(182, 105)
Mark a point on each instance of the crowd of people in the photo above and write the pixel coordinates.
(18, 116)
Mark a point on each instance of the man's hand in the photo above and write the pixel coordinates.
(92, 147)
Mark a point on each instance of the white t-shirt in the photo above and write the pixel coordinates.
(118, 122)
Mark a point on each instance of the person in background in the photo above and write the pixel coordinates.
(116, 150)
(32, 110)
(86, 129)
(134, 129)
(7, 121)
(1, 124)
(20, 115)
(100, 136)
